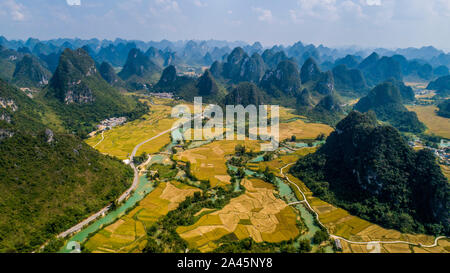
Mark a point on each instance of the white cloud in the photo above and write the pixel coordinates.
(200, 4)
(350, 8)
(167, 5)
(264, 15)
(14, 9)
(319, 9)
(442, 7)
(158, 7)
(373, 2)
(73, 2)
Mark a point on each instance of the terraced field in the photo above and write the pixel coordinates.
(128, 233)
(257, 214)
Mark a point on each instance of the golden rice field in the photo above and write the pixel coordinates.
(437, 125)
(343, 224)
(127, 235)
(120, 141)
(257, 214)
(208, 162)
(273, 165)
(287, 114)
(303, 130)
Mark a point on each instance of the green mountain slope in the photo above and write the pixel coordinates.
(30, 73)
(139, 71)
(386, 101)
(444, 109)
(80, 97)
(48, 181)
(371, 171)
(441, 85)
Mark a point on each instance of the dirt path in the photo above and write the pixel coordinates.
(341, 238)
(103, 138)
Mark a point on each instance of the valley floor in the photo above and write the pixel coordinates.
(274, 213)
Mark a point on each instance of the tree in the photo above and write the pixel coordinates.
(320, 236)
(304, 246)
(152, 246)
(239, 149)
(241, 173)
(321, 137)
(268, 157)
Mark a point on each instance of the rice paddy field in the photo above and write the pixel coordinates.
(128, 233)
(279, 162)
(437, 125)
(341, 223)
(257, 214)
(287, 114)
(303, 130)
(208, 162)
(120, 141)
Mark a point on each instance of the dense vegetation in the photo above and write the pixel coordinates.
(81, 98)
(386, 101)
(378, 69)
(371, 171)
(284, 80)
(349, 81)
(188, 88)
(139, 71)
(49, 187)
(49, 181)
(444, 109)
(245, 93)
(441, 85)
(30, 73)
(109, 75)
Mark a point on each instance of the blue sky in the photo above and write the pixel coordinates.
(368, 23)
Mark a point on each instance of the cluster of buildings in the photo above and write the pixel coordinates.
(162, 95)
(107, 124)
(442, 152)
(444, 155)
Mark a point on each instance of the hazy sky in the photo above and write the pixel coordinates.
(372, 23)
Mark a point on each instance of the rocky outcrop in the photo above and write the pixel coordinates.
(310, 71)
(8, 104)
(69, 81)
(49, 135)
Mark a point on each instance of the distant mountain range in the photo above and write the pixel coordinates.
(305, 77)
(205, 52)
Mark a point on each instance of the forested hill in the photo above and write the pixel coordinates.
(48, 181)
(81, 98)
(370, 170)
(386, 101)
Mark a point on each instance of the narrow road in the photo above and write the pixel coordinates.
(103, 138)
(124, 196)
(341, 238)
